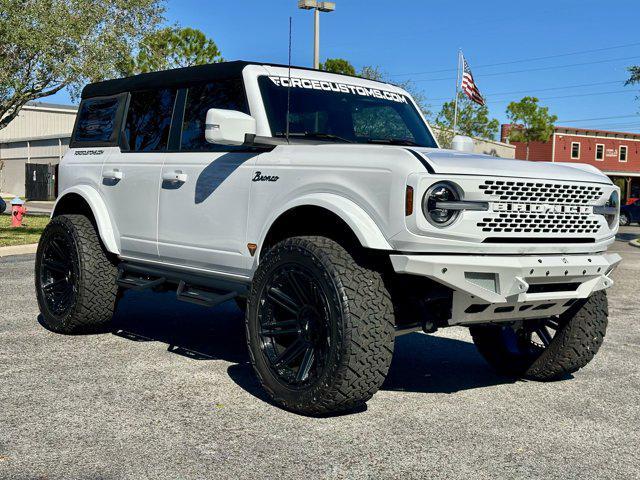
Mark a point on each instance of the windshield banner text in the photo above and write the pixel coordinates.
(337, 87)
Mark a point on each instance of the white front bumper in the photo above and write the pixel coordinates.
(505, 283)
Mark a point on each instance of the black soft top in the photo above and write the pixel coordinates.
(177, 77)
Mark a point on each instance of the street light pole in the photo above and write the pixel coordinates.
(316, 41)
(317, 7)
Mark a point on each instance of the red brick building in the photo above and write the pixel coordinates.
(617, 154)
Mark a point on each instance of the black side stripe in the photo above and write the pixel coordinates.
(422, 160)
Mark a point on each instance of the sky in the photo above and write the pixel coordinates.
(572, 54)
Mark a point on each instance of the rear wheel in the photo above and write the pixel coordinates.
(74, 278)
(624, 219)
(320, 327)
(546, 349)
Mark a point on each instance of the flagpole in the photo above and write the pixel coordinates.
(455, 113)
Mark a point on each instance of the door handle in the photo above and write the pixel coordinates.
(114, 174)
(176, 176)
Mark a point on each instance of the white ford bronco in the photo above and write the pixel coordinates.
(323, 206)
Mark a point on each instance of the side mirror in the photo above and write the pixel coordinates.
(228, 127)
(462, 143)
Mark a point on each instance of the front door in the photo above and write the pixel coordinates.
(131, 178)
(202, 219)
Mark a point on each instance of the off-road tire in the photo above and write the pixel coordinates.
(95, 288)
(365, 328)
(579, 336)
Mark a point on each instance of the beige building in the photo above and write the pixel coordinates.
(38, 135)
(485, 146)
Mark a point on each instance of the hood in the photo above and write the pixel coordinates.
(460, 163)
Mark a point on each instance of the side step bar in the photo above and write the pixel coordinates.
(135, 282)
(199, 289)
(200, 296)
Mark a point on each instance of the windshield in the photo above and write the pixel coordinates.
(338, 112)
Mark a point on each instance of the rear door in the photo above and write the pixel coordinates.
(204, 195)
(131, 178)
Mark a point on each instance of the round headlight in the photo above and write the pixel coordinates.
(440, 192)
(614, 203)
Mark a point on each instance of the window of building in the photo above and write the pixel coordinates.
(575, 150)
(148, 120)
(226, 94)
(97, 120)
(599, 151)
(622, 153)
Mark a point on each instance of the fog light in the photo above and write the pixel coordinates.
(440, 192)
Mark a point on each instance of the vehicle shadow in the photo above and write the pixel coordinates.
(625, 237)
(421, 363)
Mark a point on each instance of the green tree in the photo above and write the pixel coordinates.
(338, 65)
(377, 75)
(48, 45)
(171, 47)
(529, 122)
(634, 77)
(473, 121)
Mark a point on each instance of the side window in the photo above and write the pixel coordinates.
(97, 118)
(149, 120)
(575, 150)
(599, 151)
(226, 94)
(622, 155)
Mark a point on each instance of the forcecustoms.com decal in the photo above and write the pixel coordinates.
(337, 87)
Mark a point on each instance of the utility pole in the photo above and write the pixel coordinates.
(317, 7)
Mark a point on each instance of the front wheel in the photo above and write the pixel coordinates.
(74, 278)
(320, 327)
(624, 220)
(546, 349)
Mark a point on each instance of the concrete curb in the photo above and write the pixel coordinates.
(635, 243)
(18, 250)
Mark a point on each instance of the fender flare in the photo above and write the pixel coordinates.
(358, 220)
(106, 230)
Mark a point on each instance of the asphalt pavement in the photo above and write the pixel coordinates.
(170, 394)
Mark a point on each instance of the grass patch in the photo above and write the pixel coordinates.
(29, 233)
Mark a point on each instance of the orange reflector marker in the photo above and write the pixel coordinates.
(252, 248)
(408, 204)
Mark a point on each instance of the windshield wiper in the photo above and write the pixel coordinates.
(318, 135)
(393, 141)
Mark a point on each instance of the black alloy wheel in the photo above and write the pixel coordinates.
(295, 325)
(58, 275)
(530, 339)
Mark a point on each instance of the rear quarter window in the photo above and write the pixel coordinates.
(98, 120)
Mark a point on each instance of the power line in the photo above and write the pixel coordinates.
(539, 89)
(571, 96)
(533, 59)
(598, 118)
(532, 69)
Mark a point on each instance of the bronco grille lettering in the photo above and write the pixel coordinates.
(541, 208)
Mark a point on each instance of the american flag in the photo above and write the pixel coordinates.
(469, 87)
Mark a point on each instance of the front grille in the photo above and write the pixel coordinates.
(528, 192)
(525, 222)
